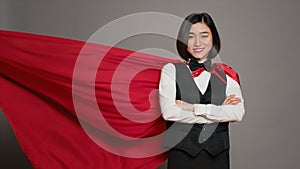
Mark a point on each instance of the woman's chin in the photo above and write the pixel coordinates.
(199, 57)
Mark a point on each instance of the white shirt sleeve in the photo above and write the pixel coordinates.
(224, 113)
(167, 96)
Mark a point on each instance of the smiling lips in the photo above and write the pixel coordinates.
(198, 50)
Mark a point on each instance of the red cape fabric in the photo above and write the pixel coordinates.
(48, 98)
(36, 96)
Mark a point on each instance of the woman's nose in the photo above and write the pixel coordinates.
(197, 41)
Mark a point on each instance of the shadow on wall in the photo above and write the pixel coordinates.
(11, 155)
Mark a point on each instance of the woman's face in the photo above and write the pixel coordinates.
(200, 41)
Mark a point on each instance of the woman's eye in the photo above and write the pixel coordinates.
(204, 36)
(191, 36)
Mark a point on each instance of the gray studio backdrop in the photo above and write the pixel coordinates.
(259, 39)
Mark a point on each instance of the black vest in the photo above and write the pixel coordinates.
(193, 138)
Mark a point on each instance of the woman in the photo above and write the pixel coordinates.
(199, 98)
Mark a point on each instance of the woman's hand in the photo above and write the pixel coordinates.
(185, 106)
(232, 100)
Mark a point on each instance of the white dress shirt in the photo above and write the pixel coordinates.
(203, 113)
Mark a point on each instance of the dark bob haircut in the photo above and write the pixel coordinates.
(183, 34)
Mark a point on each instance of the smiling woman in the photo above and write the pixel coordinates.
(198, 99)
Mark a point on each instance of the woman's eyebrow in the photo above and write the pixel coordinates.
(203, 32)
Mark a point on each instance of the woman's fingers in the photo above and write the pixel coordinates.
(227, 99)
(178, 102)
(232, 100)
(184, 105)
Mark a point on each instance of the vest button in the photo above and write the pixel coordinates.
(203, 129)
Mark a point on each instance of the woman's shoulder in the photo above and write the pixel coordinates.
(228, 70)
(171, 65)
(168, 68)
(224, 66)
